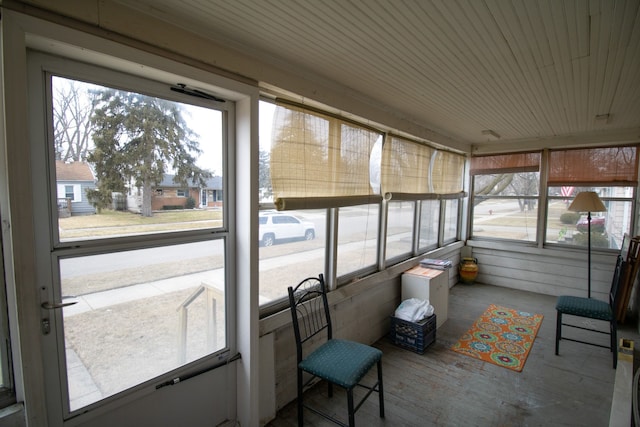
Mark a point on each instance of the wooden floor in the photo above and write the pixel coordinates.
(444, 388)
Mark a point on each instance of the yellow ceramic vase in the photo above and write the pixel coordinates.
(468, 270)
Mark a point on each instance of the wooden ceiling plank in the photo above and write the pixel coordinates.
(624, 17)
(554, 75)
(578, 27)
(534, 96)
(480, 69)
(530, 15)
(625, 103)
(459, 87)
(601, 32)
(495, 55)
(513, 78)
(527, 68)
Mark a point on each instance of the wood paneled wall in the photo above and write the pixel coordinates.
(360, 311)
(545, 271)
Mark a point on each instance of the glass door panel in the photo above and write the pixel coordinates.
(139, 314)
(133, 259)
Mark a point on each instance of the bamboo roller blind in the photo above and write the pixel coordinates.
(505, 163)
(607, 165)
(319, 161)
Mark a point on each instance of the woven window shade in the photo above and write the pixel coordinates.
(606, 166)
(318, 161)
(505, 163)
(412, 171)
(447, 173)
(405, 167)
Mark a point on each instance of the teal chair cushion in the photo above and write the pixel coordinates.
(584, 307)
(342, 362)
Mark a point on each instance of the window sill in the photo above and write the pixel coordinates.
(13, 416)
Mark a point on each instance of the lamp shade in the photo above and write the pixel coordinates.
(587, 201)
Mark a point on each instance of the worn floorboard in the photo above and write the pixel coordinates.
(444, 388)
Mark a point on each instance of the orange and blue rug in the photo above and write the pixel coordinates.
(501, 336)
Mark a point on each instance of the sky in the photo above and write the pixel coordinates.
(208, 125)
(205, 122)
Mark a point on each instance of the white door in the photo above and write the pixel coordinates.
(135, 306)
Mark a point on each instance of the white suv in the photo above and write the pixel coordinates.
(278, 226)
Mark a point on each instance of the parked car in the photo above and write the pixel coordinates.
(597, 224)
(279, 227)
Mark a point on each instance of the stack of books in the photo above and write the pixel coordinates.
(440, 264)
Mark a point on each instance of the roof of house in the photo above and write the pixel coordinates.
(74, 171)
(214, 182)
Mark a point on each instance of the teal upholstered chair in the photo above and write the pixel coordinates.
(593, 309)
(340, 362)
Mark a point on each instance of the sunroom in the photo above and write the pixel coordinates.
(368, 136)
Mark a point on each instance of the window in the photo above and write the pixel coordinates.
(149, 284)
(612, 172)
(292, 243)
(399, 229)
(317, 160)
(292, 247)
(429, 220)
(451, 220)
(357, 239)
(506, 191)
(333, 173)
(68, 192)
(505, 196)
(607, 228)
(309, 162)
(120, 181)
(414, 173)
(71, 192)
(139, 314)
(7, 395)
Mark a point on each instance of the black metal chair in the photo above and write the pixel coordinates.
(340, 362)
(593, 309)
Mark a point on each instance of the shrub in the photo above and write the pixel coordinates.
(190, 204)
(172, 207)
(569, 217)
(598, 240)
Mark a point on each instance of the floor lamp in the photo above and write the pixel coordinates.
(588, 201)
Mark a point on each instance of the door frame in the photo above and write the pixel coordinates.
(26, 32)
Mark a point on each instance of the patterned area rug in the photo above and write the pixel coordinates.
(501, 336)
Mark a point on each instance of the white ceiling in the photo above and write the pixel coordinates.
(525, 69)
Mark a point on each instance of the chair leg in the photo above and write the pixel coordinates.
(380, 389)
(352, 417)
(558, 330)
(300, 404)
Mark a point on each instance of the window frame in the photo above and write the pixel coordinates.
(437, 241)
(527, 163)
(333, 217)
(507, 163)
(7, 385)
(46, 65)
(632, 215)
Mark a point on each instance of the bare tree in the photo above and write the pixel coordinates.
(508, 184)
(73, 106)
(486, 186)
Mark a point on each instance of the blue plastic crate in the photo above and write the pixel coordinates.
(413, 336)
